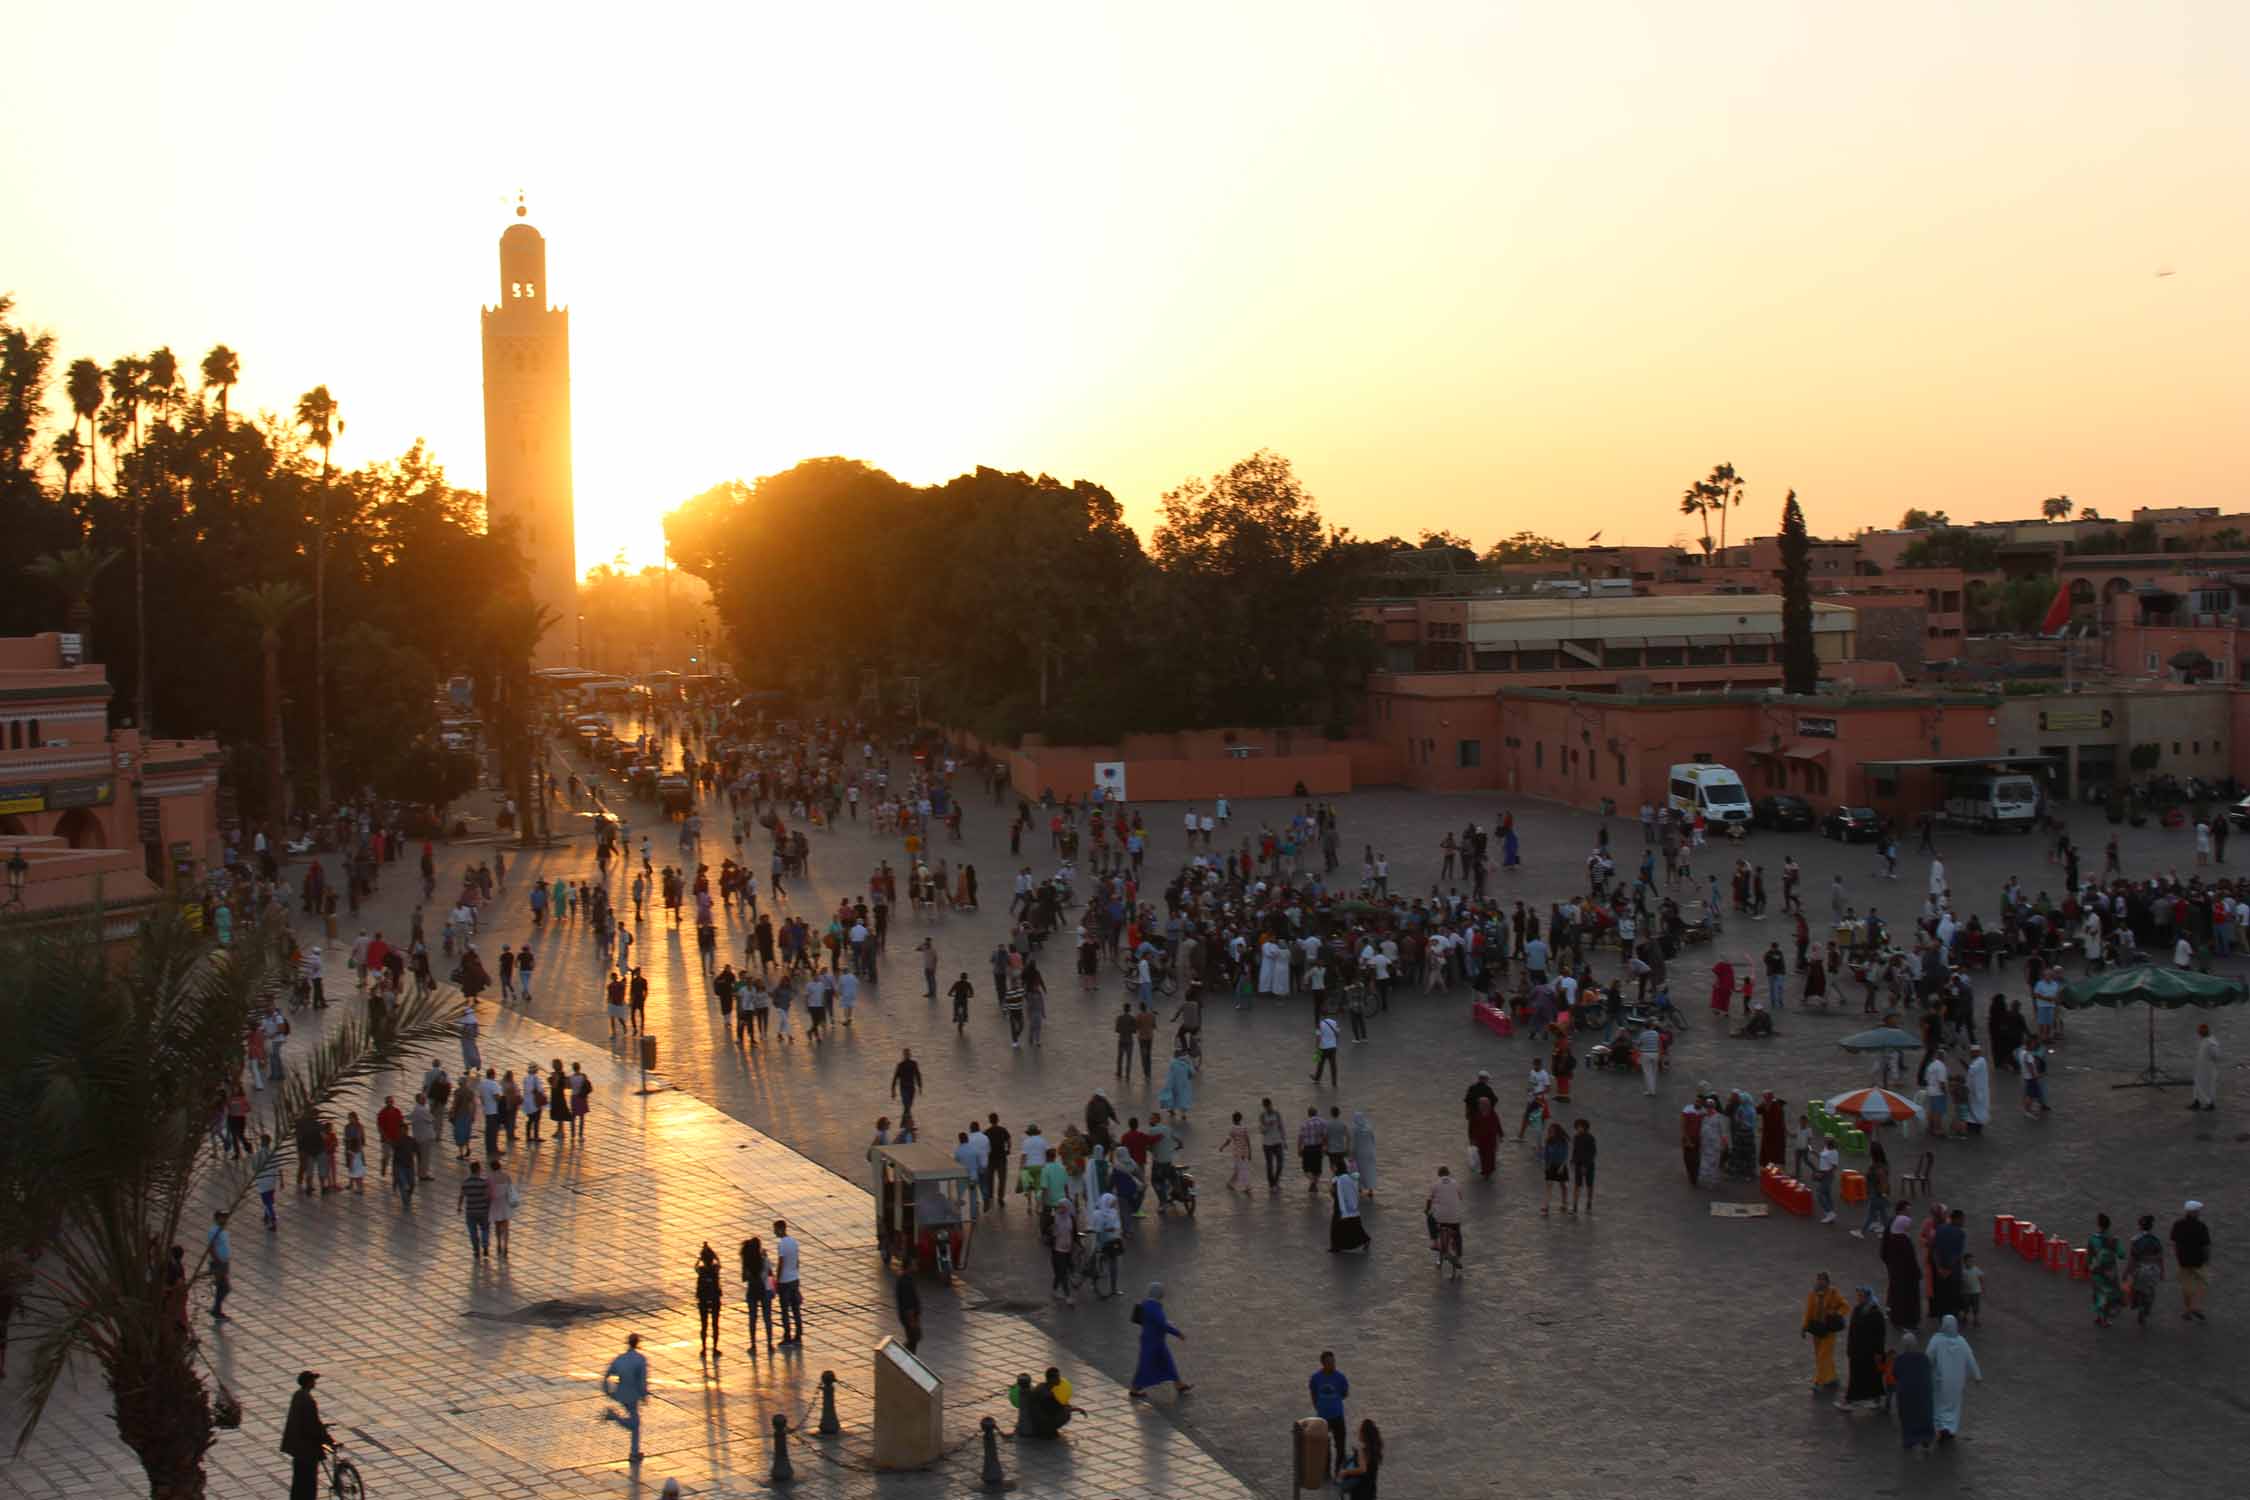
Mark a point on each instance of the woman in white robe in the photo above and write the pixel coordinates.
(1977, 1111)
(1273, 968)
(1952, 1366)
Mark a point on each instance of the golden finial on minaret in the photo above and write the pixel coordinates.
(520, 209)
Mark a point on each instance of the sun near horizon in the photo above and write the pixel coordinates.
(1478, 267)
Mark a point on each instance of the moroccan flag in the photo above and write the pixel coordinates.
(2058, 613)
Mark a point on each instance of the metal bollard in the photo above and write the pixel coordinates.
(829, 1426)
(993, 1478)
(784, 1472)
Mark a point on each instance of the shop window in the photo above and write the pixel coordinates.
(1620, 766)
(1470, 753)
(1707, 656)
(1621, 656)
(1666, 656)
(1535, 661)
(1743, 655)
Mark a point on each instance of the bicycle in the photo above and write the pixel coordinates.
(342, 1474)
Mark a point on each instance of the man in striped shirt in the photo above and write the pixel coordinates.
(475, 1204)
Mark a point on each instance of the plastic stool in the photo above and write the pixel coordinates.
(1800, 1201)
(2081, 1264)
(2034, 1243)
(2017, 1229)
(2058, 1254)
(2001, 1224)
(1855, 1141)
(1855, 1187)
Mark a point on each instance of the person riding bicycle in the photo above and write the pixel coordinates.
(304, 1437)
(1108, 1224)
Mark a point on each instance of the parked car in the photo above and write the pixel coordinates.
(2239, 814)
(1851, 825)
(1781, 811)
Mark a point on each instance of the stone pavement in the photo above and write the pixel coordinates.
(1647, 1344)
(1649, 1347)
(446, 1377)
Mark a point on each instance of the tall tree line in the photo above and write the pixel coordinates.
(1021, 604)
(141, 508)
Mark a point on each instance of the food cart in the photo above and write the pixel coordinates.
(674, 794)
(922, 1207)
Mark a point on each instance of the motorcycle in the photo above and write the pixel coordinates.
(1177, 1191)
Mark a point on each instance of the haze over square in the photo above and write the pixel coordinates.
(1472, 267)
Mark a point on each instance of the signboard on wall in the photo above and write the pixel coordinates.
(1816, 729)
(23, 799)
(152, 820)
(2074, 720)
(79, 794)
(1109, 779)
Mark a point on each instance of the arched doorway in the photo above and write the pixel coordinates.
(11, 827)
(79, 828)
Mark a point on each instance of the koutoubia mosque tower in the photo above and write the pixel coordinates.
(527, 431)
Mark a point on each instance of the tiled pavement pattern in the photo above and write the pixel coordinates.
(446, 1377)
(1649, 1348)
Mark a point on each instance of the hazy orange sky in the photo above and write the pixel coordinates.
(1475, 266)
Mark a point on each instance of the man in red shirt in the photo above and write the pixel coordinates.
(390, 1124)
(1136, 1142)
(377, 951)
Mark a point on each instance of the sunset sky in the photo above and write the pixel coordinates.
(1479, 266)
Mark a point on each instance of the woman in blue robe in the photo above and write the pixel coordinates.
(1910, 1373)
(1155, 1366)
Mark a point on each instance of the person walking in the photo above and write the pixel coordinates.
(304, 1437)
(504, 1199)
(2144, 1269)
(2105, 1269)
(1582, 1153)
(1912, 1395)
(1325, 1038)
(219, 1248)
(2206, 1069)
(1826, 1315)
(1953, 1364)
(1329, 1387)
(1273, 1139)
(1126, 1031)
(1864, 1339)
(1346, 1230)
(2191, 1252)
(1238, 1152)
(708, 1299)
(625, 1382)
(1155, 1366)
(474, 1203)
(906, 1082)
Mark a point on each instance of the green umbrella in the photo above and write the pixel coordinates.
(2156, 986)
(1881, 1039)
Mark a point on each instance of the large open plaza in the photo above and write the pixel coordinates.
(1645, 1345)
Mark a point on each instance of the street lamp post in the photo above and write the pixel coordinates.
(18, 869)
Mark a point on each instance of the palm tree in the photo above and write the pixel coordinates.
(128, 387)
(1695, 500)
(222, 368)
(73, 572)
(316, 413)
(269, 606)
(162, 387)
(70, 457)
(104, 1151)
(84, 383)
(2056, 507)
(1725, 488)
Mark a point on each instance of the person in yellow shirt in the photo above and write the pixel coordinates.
(1826, 1314)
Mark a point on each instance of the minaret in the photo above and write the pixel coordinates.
(527, 431)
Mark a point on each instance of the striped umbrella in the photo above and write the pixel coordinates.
(1874, 1107)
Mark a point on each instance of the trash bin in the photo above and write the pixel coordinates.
(648, 1053)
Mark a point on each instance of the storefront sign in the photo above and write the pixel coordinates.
(2073, 720)
(79, 794)
(23, 799)
(152, 820)
(1816, 729)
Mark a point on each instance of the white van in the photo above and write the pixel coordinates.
(1714, 791)
(1992, 800)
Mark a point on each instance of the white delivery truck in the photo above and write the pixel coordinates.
(1992, 800)
(1712, 790)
